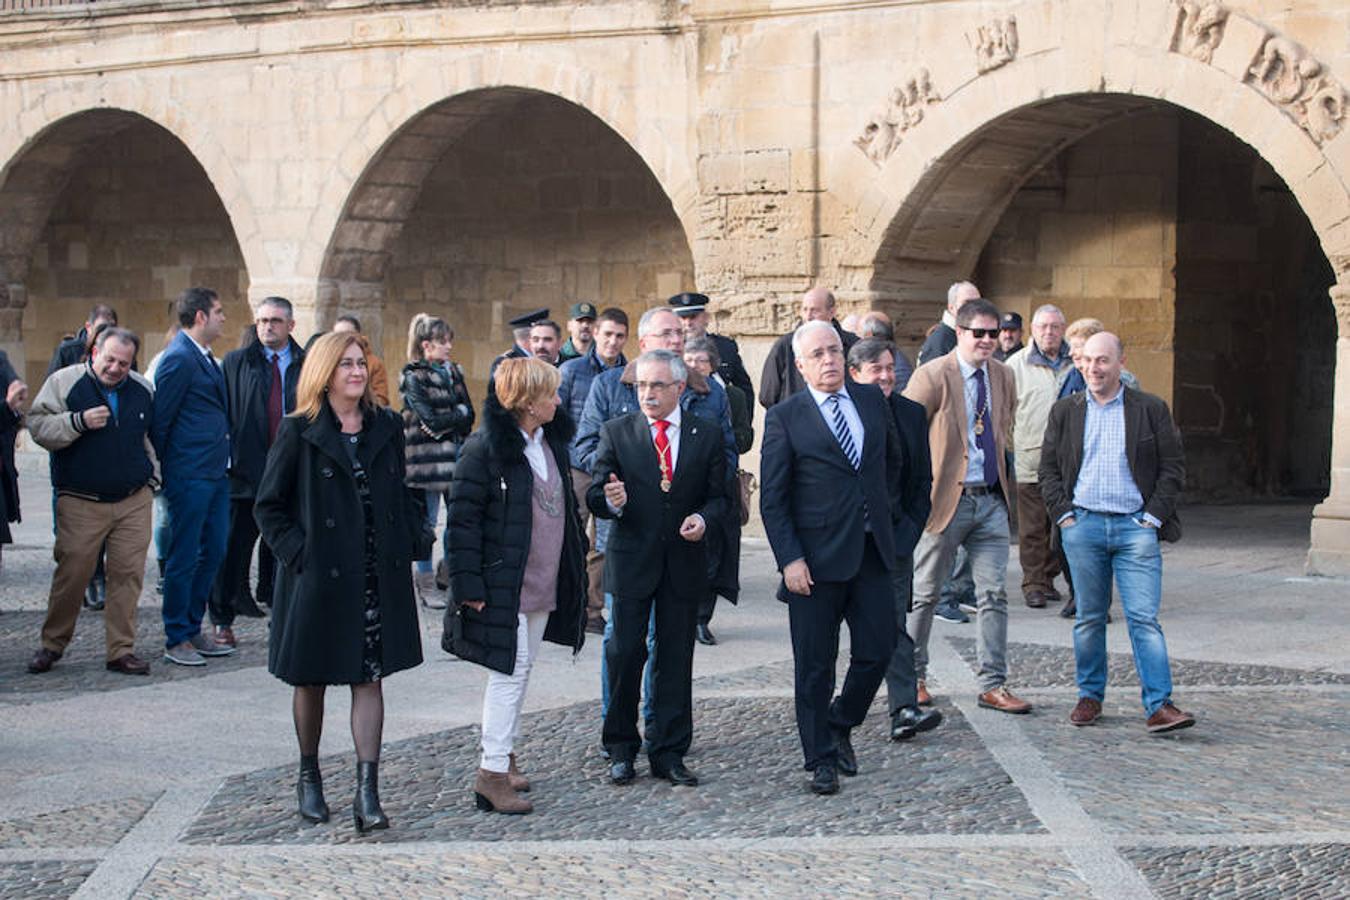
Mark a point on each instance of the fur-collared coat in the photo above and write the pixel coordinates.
(490, 521)
(437, 417)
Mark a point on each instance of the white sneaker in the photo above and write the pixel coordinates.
(184, 654)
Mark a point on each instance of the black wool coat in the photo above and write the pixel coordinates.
(491, 517)
(248, 380)
(10, 422)
(310, 514)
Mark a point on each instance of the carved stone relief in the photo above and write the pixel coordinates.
(1199, 29)
(994, 44)
(904, 109)
(1301, 86)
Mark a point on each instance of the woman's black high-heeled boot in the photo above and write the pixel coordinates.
(366, 811)
(309, 791)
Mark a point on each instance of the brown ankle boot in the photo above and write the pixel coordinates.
(519, 782)
(493, 793)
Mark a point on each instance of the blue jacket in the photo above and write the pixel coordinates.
(191, 428)
(577, 375)
(613, 394)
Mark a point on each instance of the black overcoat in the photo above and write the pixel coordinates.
(490, 521)
(310, 514)
(10, 422)
(248, 379)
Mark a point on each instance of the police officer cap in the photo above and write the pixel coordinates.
(688, 303)
(581, 311)
(1010, 321)
(529, 318)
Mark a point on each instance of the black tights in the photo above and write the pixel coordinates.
(367, 719)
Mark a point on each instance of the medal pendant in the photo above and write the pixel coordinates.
(665, 485)
(979, 426)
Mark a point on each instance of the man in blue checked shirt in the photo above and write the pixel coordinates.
(1111, 470)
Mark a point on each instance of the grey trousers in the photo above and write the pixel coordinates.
(980, 524)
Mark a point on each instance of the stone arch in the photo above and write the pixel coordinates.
(930, 206)
(45, 177)
(376, 173)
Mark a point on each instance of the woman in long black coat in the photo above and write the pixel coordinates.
(345, 528)
(517, 559)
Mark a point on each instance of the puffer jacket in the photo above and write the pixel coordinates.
(490, 523)
(437, 418)
(577, 376)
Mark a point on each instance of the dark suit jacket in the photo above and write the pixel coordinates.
(248, 380)
(732, 368)
(1152, 445)
(916, 480)
(191, 430)
(780, 378)
(812, 500)
(645, 541)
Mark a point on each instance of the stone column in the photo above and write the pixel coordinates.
(1329, 553)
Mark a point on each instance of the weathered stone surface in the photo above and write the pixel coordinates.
(42, 880)
(1313, 871)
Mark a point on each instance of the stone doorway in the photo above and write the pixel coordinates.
(495, 203)
(1185, 241)
(108, 207)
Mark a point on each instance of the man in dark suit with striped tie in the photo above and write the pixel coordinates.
(830, 468)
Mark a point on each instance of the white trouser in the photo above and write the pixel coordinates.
(505, 695)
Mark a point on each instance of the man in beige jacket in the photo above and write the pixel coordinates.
(1040, 370)
(970, 399)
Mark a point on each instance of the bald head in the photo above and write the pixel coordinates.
(817, 305)
(959, 294)
(1103, 360)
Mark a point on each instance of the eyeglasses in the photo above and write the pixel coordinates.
(358, 363)
(979, 333)
(667, 333)
(264, 321)
(655, 385)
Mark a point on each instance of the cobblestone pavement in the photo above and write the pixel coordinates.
(182, 784)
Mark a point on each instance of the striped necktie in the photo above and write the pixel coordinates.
(842, 433)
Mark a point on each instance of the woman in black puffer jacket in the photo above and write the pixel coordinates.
(437, 418)
(517, 560)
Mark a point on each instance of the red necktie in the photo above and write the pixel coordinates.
(274, 401)
(663, 450)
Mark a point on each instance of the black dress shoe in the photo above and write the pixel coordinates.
(705, 635)
(845, 759)
(1069, 611)
(825, 781)
(622, 772)
(677, 775)
(911, 720)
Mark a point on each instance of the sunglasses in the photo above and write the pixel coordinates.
(979, 333)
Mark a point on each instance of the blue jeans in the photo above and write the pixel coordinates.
(1099, 546)
(433, 512)
(199, 526)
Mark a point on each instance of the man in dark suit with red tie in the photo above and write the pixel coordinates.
(830, 470)
(660, 474)
(260, 382)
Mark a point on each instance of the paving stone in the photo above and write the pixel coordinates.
(1043, 665)
(81, 669)
(1307, 872)
(1249, 764)
(95, 825)
(46, 880)
(746, 752)
(808, 872)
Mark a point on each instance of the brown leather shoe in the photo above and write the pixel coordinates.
(492, 792)
(1036, 599)
(1169, 718)
(1004, 700)
(128, 664)
(225, 635)
(1087, 712)
(921, 692)
(42, 661)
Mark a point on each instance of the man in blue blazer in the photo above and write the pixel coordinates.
(830, 468)
(191, 434)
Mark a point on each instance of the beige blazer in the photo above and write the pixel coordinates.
(937, 386)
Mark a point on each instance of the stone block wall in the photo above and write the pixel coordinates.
(1094, 233)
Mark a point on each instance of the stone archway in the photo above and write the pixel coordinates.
(936, 169)
(108, 206)
(493, 202)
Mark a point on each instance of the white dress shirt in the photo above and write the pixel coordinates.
(847, 407)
